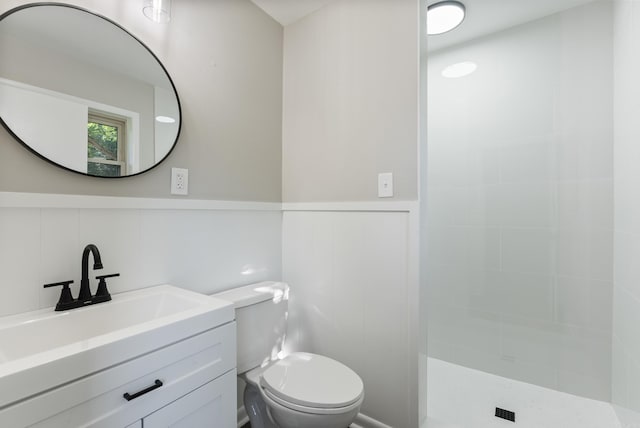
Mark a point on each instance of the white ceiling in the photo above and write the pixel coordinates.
(289, 11)
(483, 16)
(488, 16)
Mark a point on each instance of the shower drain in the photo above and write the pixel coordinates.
(505, 414)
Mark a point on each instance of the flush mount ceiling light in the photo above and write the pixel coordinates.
(459, 69)
(444, 16)
(165, 119)
(157, 10)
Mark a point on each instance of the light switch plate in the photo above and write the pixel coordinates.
(179, 181)
(385, 185)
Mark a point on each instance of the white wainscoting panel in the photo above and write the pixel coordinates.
(349, 274)
(204, 250)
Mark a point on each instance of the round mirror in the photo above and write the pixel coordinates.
(83, 93)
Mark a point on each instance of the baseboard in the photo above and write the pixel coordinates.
(243, 418)
(362, 421)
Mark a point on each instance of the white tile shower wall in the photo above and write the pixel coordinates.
(626, 302)
(348, 273)
(201, 250)
(520, 197)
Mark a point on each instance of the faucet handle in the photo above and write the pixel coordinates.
(66, 300)
(112, 275)
(102, 294)
(64, 284)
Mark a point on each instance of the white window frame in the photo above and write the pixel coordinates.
(120, 123)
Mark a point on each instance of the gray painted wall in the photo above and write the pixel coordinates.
(225, 58)
(350, 112)
(351, 101)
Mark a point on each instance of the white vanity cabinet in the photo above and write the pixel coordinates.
(211, 405)
(198, 389)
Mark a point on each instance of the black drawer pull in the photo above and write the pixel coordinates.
(157, 384)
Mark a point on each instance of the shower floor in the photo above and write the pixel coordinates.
(459, 397)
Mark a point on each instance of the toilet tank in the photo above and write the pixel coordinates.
(261, 321)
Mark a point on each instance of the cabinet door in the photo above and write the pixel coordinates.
(211, 405)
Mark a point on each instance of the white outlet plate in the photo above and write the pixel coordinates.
(385, 185)
(179, 181)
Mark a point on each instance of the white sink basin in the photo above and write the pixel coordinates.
(42, 349)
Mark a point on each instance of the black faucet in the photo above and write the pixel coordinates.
(85, 290)
(85, 297)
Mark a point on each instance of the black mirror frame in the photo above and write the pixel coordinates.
(175, 91)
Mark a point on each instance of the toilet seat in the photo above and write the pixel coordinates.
(312, 383)
(272, 401)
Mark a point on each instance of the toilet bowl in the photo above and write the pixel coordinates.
(307, 390)
(293, 391)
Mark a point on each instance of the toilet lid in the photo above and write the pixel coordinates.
(313, 381)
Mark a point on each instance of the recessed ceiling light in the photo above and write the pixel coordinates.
(444, 16)
(165, 119)
(460, 69)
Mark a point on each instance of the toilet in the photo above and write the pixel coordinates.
(300, 389)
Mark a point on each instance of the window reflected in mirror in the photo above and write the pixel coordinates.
(84, 94)
(105, 146)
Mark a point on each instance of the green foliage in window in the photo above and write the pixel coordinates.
(103, 141)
